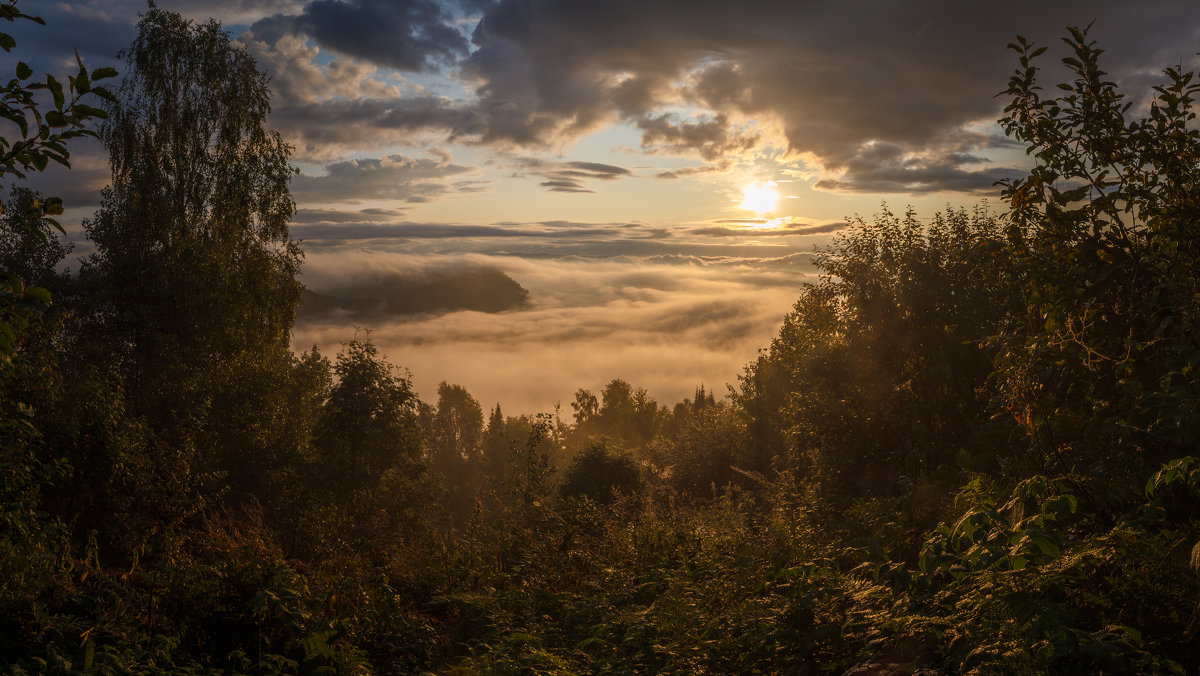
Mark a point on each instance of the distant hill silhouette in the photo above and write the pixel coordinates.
(398, 295)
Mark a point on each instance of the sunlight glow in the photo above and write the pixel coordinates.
(760, 197)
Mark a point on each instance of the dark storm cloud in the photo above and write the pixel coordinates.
(410, 35)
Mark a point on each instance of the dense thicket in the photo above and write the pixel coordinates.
(965, 452)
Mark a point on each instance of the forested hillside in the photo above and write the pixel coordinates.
(969, 449)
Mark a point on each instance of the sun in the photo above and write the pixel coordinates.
(760, 197)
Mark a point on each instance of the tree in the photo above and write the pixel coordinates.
(1100, 372)
(29, 243)
(457, 426)
(455, 447)
(28, 247)
(630, 415)
(879, 376)
(707, 447)
(195, 271)
(600, 475)
(688, 408)
(496, 447)
(493, 434)
(585, 407)
(369, 424)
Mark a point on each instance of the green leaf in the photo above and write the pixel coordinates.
(89, 655)
(7, 42)
(18, 118)
(86, 111)
(1045, 544)
(23, 70)
(106, 72)
(38, 295)
(56, 91)
(82, 83)
(104, 93)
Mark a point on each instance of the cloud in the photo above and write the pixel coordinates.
(326, 216)
(328, 106)
(604, 172)
(890, 168)
(816, 80)
(565, 185)
(325, 128)
(720, 166)
(97, 32)
(298, 79)
(391, 177)
(228, 11)
(570, 177)
(336, 227)
(408, 35)
(340, 232)
(819, 79)
(712, 137)
(764, 228)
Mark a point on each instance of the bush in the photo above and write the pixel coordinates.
(601, 475)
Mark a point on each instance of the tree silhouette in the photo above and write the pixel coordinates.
(194, 274)
(600, 475)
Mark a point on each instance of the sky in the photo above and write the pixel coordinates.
(608, 189)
